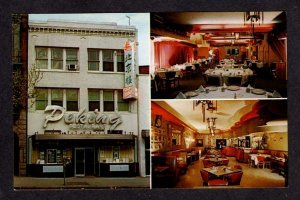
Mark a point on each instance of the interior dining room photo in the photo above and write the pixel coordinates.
(227, 55)
(219, 143)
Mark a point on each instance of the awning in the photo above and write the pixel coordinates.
(83, 137)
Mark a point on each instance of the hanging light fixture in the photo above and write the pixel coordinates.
(254, 17)
(211, 122)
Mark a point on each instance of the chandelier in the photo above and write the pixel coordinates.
(211, 123)
(208, 105)
(254, 17)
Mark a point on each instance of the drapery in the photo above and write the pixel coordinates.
(169, 53)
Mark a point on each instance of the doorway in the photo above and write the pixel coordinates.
(84, 161)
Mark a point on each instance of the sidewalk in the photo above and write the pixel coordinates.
(81, 182)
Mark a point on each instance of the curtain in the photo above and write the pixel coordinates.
(169, 53)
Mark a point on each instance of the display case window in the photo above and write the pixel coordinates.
(51, 156)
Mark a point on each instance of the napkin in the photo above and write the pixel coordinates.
(200, 89)
(180, 95)
(276, 94)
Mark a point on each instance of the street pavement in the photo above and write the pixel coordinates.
(81, 183)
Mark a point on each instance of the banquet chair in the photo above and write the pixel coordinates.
(251, 80)
(234, 178)
(213, 80)
(188, 71)
(171, 80)
(234, 80)
(261, 161)
(267, 162)
(204, 176)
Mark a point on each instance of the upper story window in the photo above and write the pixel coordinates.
(57, 58)
(67, 98)
(106, 60)
(107, 100)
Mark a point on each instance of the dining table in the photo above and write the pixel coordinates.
(254, 157)
(217, 161)
(221, 170)
(230, 92)
(224, 73)
(162, 72)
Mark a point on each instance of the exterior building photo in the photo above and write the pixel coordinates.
(88, 109)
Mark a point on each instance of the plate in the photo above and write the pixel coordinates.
(233, 87)
(191, 94)
(258, 91)
(212, 88)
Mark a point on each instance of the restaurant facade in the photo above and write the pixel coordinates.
(88, 103)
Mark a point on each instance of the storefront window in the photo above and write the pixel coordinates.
(94, 100)
(56, 58)
(120, 60)
(123, 105)
(51, 156)
(108, 101)
(41, 58)
(71, 56)
(93, 60)
(41, 100)
(57, 97)
(72, 99)
(108, 60)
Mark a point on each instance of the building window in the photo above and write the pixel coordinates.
(120, 61)
(67, 98)
(72, 99)
(41, 99)
(108, 101)
(51, 156)
(71, 57)
(123, 105)
(56, 58)
(93, 60)
(94, 100)
(57, 97)
(106, 60)
(41, 58)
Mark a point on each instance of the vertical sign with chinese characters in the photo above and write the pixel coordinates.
(130, 90)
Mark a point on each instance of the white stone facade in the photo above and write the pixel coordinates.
(82, 37)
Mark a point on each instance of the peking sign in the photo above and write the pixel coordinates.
(130, 90)
(82, 120)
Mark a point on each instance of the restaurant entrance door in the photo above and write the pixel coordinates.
(84, 161)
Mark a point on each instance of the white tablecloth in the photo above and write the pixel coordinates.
(230, 72)
(254, 157)
(228, 94)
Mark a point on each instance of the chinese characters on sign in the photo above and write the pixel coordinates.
(130, 90)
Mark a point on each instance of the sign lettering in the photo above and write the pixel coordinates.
(82, 119)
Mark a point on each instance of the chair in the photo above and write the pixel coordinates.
(217, 182)
(252, 80)
(237, 167)
(207, 163)
(225, 162)
(234, 178)
(171, 80)
(261, 161)
(188, 71)
(213, 80)
(234, 80)
(268, 162)
(205, 177)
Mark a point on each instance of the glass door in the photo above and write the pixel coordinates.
(79, 161)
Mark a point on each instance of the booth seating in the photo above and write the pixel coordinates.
(239, 155)
(165, 172)
(229, 151)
